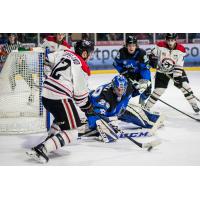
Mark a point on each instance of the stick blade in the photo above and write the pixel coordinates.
(151, 145)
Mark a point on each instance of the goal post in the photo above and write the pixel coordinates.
(21, 79)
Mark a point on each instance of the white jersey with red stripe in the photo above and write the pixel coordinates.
(68, 78)
(174, 56)
(53, 45)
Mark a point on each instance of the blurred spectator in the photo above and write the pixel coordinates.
(194, 37)
(12, 43)
(2, 38)
(109, 36)
(27, 37)
(55, 43)
(85, 36)
(160, 36)
(80, 36)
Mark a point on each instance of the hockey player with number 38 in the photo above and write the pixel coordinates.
(168, 58)
(63, 90)
(112, 100)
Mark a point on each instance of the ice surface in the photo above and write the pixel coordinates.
(180, 139)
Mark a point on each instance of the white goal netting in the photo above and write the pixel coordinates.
(21, 109)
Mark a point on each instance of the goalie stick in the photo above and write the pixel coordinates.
(148, 145)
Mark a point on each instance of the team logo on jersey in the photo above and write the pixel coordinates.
(102, 102)
(124, 62)
(164, 54)
(167, 65)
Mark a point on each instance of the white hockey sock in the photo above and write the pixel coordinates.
(61, 139)
(187, 91)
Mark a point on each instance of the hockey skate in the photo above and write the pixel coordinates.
(38, 154)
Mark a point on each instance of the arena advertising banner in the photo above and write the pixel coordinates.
(104, 55)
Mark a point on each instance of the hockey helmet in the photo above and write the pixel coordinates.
(119, 84)
(83, 45)
(131, 40)
(170, 36)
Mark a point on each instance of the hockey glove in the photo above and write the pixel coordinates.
(143, 85)
(153, 60)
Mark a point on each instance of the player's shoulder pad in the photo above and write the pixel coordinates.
(122, 53)
(161, 44)
(51, 38)
(79, 60)
(142, 52)
(64, 43)
(180, 47)
(142, 55)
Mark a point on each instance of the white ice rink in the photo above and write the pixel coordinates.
(180, 139)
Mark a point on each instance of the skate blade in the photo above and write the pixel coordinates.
(32, 154)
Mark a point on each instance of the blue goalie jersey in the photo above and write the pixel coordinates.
(105, 102)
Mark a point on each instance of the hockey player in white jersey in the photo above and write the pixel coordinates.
(168, 58)
(56, 43)
(63, 89)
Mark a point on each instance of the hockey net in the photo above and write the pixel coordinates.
(21, 78)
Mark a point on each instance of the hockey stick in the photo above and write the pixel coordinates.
(183, 87)
(148, 145)
(179, 110)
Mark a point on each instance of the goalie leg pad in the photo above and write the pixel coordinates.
(137, 115)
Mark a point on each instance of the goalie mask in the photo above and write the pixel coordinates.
(119, 84)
